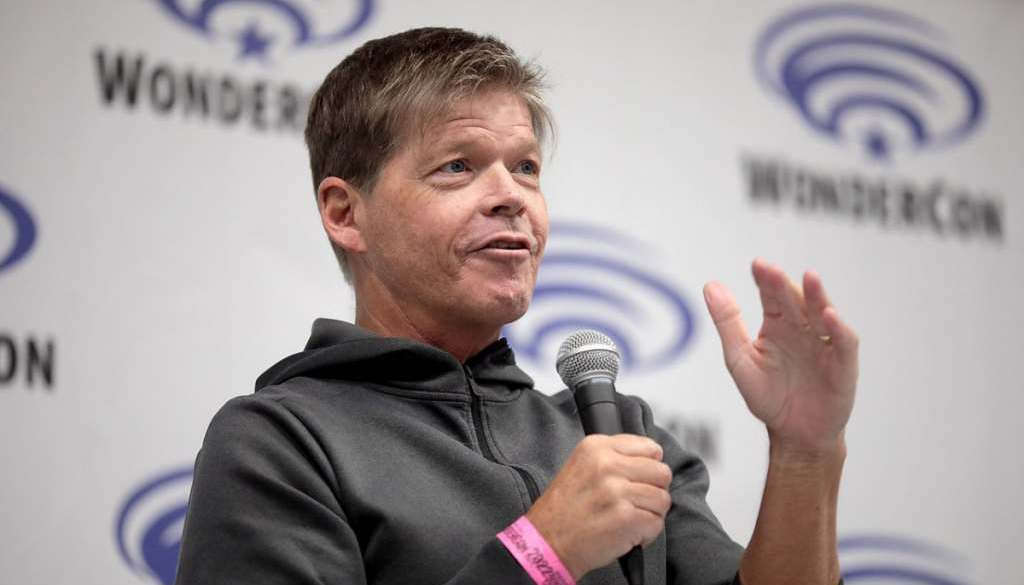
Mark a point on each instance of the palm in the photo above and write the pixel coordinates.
(800, 374)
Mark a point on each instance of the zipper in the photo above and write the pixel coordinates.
(476, 406)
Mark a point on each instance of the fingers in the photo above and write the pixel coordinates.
(631, 457)
(806, 312)
(635, 446)
(842, 337)
(825, 319)
(610, 496)
(816, 302)
(645, 514)
(645, 471)
(650, 499)
(725, 313)
(780, 296)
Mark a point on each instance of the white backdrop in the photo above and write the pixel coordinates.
(177, 253)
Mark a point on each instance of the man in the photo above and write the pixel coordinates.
(409, 448)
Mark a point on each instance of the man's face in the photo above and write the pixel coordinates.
(456, 224)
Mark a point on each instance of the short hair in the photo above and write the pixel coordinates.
(371, 101)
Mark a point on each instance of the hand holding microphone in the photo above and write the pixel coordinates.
(611, 496)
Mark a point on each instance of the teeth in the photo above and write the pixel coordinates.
(506, 245)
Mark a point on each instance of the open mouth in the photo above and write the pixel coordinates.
(505, 245)
(507, 241)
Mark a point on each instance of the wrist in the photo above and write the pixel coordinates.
(820, 454)
(821, 465)
(553, 537)
(533, 552)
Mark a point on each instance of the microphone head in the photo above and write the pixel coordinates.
(587, 354)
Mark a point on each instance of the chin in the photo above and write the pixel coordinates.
(507, 305)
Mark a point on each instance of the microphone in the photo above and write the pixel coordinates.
(588, 363)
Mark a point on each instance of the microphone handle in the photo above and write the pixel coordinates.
(599, 412)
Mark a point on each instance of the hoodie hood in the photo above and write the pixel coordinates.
(342, 351)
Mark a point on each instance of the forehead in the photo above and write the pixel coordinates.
(487, 115)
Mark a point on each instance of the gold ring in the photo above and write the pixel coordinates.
(826, 339)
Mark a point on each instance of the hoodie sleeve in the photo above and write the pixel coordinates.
(263, 510)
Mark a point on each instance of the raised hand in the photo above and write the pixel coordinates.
(800, 374)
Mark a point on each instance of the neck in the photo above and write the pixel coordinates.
(391, 319)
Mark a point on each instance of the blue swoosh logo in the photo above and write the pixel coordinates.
(837, 62)
(24, 230)
(585, 289)
(888, 559)
(202, 17)
(159, 544)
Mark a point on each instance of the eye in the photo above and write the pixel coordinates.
(528, 167)
(455, 166)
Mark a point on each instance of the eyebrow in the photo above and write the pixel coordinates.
(463, 141)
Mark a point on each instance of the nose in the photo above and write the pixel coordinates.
(506, 197)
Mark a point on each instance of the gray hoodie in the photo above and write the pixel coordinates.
(372, 460)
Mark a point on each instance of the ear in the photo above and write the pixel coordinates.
(341, 209)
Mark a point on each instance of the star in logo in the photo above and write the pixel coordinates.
(272, 26)
(878, 144)
(253, 43)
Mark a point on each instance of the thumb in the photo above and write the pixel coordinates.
(728, 321)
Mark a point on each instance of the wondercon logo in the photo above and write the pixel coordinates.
(873, 76)
(891, 560)
(595, 278)
(150, 523)
(23, 230)
(260, 26)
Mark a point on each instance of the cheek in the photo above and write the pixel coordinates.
(451, 228)
(542, 240)
(433, 244)
(539, 219)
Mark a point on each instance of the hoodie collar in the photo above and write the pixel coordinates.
(342, 351)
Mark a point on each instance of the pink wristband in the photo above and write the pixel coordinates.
(535, 555)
